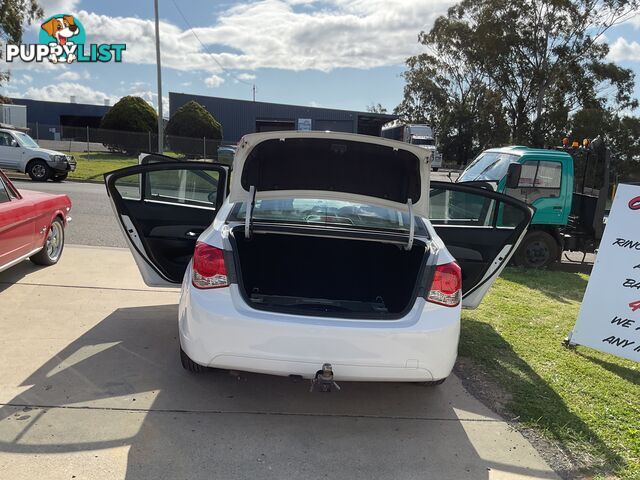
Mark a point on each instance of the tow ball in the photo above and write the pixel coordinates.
(323, 381)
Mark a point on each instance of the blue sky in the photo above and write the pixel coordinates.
(333, 53)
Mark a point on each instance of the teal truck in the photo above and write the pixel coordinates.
(568, 186)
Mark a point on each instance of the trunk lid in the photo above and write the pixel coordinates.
(333, 166)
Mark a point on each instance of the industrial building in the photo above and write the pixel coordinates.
(240, 117)
(46, 119)
(237, 117)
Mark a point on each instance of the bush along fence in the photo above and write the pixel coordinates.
(88, 139)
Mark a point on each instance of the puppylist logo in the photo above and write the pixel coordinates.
(63, 40)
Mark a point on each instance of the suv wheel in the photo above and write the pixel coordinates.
(39, 171)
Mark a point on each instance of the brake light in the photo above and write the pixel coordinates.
(209, 270)
(446, 288)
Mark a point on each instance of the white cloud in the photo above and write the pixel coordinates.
(273, 34)
(53, 7)
(247, 77)
(62, 91)
(74, 75)
(213, 81)
(622, 50)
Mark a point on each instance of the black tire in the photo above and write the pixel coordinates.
(435, 169)
(60, 177)
(39, 171)
(538, 249)
(189, 365)
(52, 249)
(433, 383)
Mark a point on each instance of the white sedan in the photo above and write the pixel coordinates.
(326, 256)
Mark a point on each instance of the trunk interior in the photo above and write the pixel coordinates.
(308, 275)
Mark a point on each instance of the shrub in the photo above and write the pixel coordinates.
(134, 116)
(191, 126)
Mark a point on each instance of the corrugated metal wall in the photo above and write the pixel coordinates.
(238, 117)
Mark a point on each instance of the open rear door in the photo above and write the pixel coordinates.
(481, 229)
(162, 208)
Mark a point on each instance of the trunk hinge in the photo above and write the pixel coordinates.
(412, 225)
(251, 201)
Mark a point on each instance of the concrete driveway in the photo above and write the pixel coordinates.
(91, 388)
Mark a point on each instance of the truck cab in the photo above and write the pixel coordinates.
(546, 179)
(567, 186)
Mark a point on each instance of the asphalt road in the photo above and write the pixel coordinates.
(93, 220)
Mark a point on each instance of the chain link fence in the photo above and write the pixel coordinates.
(95, 140)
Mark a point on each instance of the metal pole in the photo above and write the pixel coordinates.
(149, 142)
(87, 138)
(159, 68)
(253, 89)
(204, 147)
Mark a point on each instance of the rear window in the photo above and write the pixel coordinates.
(327, 212)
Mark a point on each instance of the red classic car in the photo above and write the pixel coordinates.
(31, 225)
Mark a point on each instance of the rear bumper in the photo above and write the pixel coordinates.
(218, 329)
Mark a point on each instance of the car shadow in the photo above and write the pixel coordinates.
(485, 356)
(17, 273)
(120, 384)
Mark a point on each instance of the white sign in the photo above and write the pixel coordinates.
(609, 318)
(304, 124)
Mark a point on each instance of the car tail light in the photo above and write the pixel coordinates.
(209, 270)
(446, 288)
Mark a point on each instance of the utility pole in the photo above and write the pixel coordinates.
(159, 68)
(254, 92)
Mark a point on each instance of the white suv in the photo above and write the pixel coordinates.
(326, 255)
(20, 152)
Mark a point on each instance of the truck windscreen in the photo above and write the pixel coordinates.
(488, 166)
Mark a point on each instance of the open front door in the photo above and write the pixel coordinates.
(162, 209)
(481, 229)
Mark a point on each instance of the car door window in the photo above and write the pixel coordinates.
(447, 207)
(183, 187)
(6, 140)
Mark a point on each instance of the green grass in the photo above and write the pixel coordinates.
(587, 401)
(91, 166)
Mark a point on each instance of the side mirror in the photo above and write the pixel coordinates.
(513, 175)
(14, 143)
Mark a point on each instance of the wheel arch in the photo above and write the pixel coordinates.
(30, 161)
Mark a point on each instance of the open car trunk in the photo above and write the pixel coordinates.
(308, 275)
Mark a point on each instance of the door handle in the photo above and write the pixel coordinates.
(557, 207)
(192, 234)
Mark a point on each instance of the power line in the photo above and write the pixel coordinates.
(228, 72)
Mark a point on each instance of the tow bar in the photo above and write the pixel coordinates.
(323, 381)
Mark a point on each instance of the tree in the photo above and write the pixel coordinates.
(376, 108)
(192, 130)
(13, 15)
(444, 91)
(132, 115)
(544, 59)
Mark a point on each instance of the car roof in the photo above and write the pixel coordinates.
(522, 150)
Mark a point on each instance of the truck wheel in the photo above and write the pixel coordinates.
(537, 250)
(435, 169)
(39, 171)
(60, 177)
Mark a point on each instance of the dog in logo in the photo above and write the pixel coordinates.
(62, 29)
